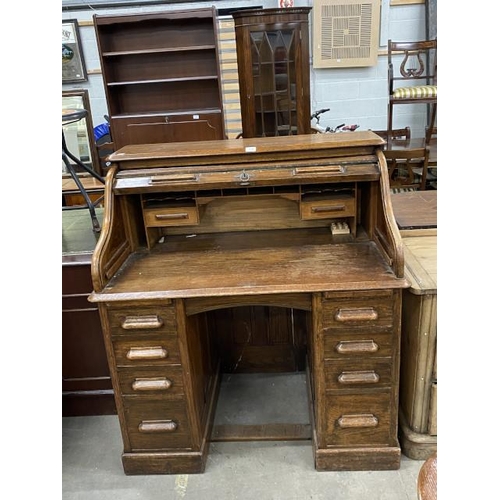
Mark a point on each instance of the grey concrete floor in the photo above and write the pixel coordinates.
(262, 470)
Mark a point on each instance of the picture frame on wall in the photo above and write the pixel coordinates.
(73, 63)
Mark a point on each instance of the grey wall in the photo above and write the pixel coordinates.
(354, 95)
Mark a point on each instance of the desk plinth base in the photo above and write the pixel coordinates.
(357, 459)
(415, 445)
(165, 463)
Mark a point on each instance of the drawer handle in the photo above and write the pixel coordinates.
(174, 216)
(356, 346)
(142, 322)
(359, 377)
(361, 420)
(157, 426)
(139, 353)
(151, 384)
(328, 208)
(329, 169)
(164, 179)
(358, 314)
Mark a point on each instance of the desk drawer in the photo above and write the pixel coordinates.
(359, 314)
(166, 382)
(355, 374)
(347, 345)
(327, 207)
(171, 216)
(156, 424)
(150, 352)
(143, 320)
(358, 419)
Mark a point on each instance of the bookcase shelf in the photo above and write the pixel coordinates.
(161, 76)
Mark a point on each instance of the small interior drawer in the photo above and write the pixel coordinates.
(327, 206)
(171, 215)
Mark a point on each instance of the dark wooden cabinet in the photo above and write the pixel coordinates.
(197, 232)
(161, 75)
(273, 65)
(86, 383)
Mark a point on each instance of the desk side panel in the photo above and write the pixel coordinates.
(119, 237)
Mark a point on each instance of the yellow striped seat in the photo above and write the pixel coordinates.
(418, 92)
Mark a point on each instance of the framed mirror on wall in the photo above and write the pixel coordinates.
(79, 135)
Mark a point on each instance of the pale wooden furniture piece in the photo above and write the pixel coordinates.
(161, 75)
(412, 77)
(418, 394)
(194, 228)
(272, 47)
(415, 209)
(427, 479)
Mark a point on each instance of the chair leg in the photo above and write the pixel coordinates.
(389, 122)
(431, 124)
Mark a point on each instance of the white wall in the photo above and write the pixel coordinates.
(354, 95)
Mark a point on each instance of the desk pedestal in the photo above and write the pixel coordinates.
(167, 373)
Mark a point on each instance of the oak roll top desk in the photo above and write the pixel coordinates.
(299, 221)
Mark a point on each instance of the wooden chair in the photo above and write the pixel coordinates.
(407, 168)
(431, 132)
(399, 133)
(415, 81)
(427, 479)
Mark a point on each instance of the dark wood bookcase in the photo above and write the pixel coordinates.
(273, 63)
(161, 75)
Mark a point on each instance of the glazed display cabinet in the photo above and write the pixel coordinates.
(273, 63)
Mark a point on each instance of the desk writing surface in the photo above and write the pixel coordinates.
(243, 263)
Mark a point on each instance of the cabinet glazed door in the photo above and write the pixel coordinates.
(275, 81)
(273, 64)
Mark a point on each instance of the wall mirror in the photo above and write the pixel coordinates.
(79, 136)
